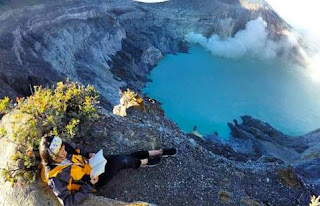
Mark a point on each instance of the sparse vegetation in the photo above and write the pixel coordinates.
(5, 105)
(61, 111)
(315, 201)
(128, 99)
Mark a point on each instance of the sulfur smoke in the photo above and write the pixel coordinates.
(253, 41)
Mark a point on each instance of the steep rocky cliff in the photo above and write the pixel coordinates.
(114, 44)
(110, 44)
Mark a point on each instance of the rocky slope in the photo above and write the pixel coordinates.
(114, 44)
(204, 172)
(248, 170)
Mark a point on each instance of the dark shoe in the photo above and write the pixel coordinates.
(169, 152)
(152, 161)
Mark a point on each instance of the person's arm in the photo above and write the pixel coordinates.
(65, 196)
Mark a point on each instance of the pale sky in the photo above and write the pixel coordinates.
(302, 14)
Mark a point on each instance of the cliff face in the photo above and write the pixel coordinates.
(110, 44)
(114, 44)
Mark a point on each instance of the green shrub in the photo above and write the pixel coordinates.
(5, 105)
(66, 110)
(128, 99)
(315, 201)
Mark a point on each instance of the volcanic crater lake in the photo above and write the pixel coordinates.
(198, 89)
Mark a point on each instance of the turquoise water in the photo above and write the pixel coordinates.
(206, 91)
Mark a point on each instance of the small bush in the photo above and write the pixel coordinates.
(315, 201)
(128, 99)
(61, 111)
(5, 105)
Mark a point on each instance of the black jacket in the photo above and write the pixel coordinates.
(60, 182)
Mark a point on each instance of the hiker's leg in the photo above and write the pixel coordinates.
(155, 152)
(115, 163)
(146, 154)
(128, 162)
(110, 170)
(144, 161)
(140, 154)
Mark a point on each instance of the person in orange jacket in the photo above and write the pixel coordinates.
(67, 172)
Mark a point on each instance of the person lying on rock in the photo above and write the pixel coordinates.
(67, 172)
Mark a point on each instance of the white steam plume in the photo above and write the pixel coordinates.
(252, 41)
(304, 17)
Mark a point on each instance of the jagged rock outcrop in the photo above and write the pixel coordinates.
(262, 141)
(257, 141)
